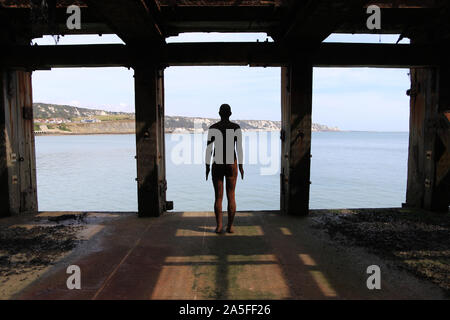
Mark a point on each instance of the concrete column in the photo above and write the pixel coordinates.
(428, 185)
(17, 151)
(149, 104)
(296, 108)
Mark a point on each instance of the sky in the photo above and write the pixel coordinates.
(363, 99)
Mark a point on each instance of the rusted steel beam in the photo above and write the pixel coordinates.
(254, 54)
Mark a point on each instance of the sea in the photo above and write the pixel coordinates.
(97, 172)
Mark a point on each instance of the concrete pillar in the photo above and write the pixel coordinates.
(296, 107)
(428, 185)
(17, 151)
(150, 153)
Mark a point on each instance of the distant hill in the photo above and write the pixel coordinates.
(47, 111)
(179, 124)
(173, 124)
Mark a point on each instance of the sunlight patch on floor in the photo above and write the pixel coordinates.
(192, 259)
(307, 259)
(286, 231)
(323, 284)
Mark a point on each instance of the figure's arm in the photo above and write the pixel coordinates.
(209, 151)
(239, 151)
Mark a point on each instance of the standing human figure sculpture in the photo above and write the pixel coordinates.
(225, 137)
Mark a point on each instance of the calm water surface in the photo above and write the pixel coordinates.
(97, 172)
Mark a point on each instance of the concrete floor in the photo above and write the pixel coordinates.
(178, 256)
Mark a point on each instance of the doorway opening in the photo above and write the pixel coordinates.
(364, 164)
(193, 96)
(84, 136)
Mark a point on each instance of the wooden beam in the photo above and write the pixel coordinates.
(314, 20)
(150, 155)
(17, 151)
(131, 20)
(226, 53)
(297, 83)
(67, 56)
(408, 3)
(221, 18)
(90, 22)
(254, 54)
(439, 199)
(428, 185)
(393, 20)
(422, 102)
(5, 203)
(377, 55)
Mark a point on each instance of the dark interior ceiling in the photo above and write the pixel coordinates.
(137, 21)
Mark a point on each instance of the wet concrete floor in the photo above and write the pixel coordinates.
(178, 256)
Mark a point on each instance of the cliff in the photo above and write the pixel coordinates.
(47, 111)
(59, 119)
(190, 124)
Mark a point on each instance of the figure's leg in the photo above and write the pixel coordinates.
(230, 187)
(218, 193)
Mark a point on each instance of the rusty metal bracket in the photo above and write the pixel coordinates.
(27, 113)
(168, 205)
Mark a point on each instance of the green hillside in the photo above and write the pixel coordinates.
(46, 111)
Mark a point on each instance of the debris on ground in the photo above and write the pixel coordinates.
(34, 247)
(63, 217)
(414, 240)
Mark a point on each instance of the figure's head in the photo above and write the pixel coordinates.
(225, 111)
